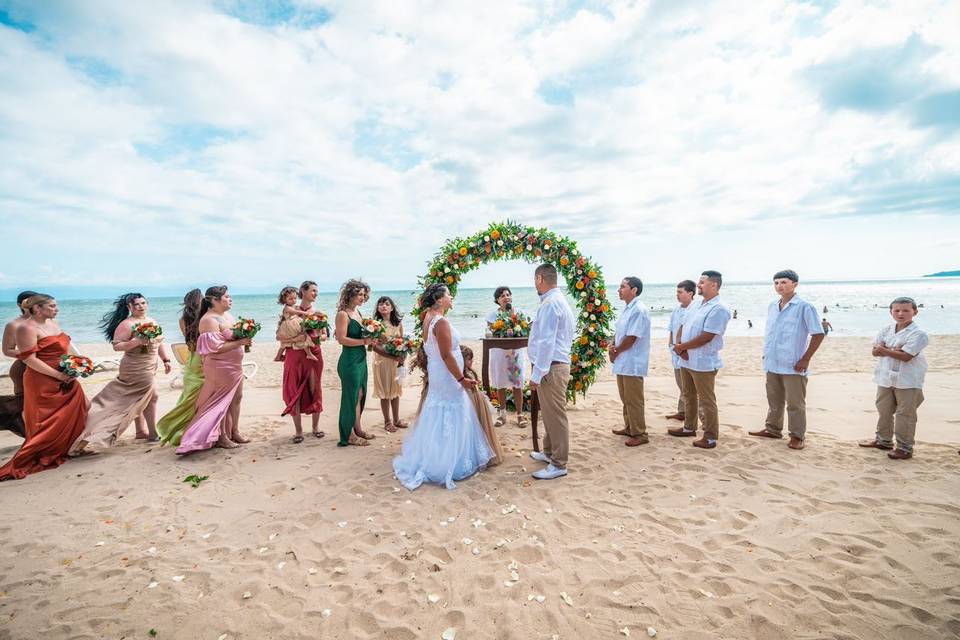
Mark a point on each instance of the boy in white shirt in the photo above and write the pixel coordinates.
(630, 360)
(899, 375)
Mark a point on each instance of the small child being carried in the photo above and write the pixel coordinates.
(290, 332)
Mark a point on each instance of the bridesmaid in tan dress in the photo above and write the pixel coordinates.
(132, 395)
(386, 384)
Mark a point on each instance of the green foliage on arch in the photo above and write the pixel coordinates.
(511, 241)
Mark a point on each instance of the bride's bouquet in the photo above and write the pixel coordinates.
(75, 366)
(147, 331)
(245, 328)
(371, 328)
(316, 322)
(510, 324)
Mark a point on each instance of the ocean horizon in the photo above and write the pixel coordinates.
(854, 307)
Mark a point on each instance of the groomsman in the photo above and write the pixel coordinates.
(630, 357)
(794, 334)
(686, 289)
(549, 351)
(698, 345)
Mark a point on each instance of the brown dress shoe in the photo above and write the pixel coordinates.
(873, 444)
(795, 443)
(900, 454)
(676, 416)
(637, 441)
(620, 432)
(681, 432)
(704, 443)
(763, 433)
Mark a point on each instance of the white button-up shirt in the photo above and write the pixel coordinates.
(551, 334)
(676, 321)
(705, 316)
(634, 321)
(894, 373)
(788, 335)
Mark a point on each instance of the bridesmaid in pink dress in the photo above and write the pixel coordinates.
(217, 421)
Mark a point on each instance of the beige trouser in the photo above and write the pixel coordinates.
(789, 390)
(699, 398)
(898, 415)
(631, 395)
(552, 395)
(676, 376)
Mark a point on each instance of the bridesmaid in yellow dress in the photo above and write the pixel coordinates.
(132, 395)
(386, 382)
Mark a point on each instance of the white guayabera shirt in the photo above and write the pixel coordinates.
(709, 316)
(676, 321)
(897, 374)
(634, 321)
(788, 335)
(550, 334)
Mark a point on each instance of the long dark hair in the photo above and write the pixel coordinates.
(212, 293)
(190, 314)
(431, 294)
(112, 319)
(395, 316)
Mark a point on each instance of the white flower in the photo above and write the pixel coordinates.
(529, 247)
(446, 269)
(593, 317)
(486, 238)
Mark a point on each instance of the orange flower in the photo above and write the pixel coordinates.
(449, 279)
(487, 248)
(592, 273)
(564, 261)
(579, 284)
(578, 385)
(589, 307)
(574, 357)
(584, 340)
(495, 234)
(463, 251)
(604, 307)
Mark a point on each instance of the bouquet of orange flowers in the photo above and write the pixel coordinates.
(146, 330)
(401, 346)
(245, 328)
(75, 366)
(371, 328)
(510, 324)
(316, 322)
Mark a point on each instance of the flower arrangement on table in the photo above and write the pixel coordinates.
(148, 331)
(585, 285)
(510, 324)
(245, 328)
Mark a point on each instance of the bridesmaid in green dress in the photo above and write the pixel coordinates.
(171, 426)
(352, 366)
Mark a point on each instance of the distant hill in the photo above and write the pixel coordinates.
(943, 274)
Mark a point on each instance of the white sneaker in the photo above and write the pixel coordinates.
(539, 456)
(549, 473)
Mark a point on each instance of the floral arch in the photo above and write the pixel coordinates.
(511, 241)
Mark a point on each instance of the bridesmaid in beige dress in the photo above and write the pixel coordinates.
(386, 383)
(132, 395)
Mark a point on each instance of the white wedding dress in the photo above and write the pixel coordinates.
(446, 442)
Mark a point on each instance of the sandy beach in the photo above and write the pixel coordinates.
(750, 540)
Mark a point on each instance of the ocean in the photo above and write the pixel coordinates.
(853, 308)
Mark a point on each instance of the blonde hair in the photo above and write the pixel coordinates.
(37, 298)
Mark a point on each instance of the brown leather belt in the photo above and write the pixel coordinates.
(558, 362)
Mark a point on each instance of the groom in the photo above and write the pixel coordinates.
(549, 351)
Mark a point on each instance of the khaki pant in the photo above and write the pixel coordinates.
(676, 376)
(552, 395)
(789, 390)
(699, 398)
(898, 415)
(631, 395)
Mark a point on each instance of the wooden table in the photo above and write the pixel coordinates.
(506, 344)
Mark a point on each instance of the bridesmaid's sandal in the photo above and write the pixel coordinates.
(365, 435)
(297, 439)
(389, 427)
(318, 434)
(357, 441)
(400, 424)
(226, 443)
(240, 439)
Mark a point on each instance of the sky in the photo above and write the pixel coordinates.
(156, 144)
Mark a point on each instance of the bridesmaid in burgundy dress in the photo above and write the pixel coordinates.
(217, 420)
(54, 415)
(301, 376)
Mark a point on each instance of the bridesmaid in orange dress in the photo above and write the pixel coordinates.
(11, 407)
(54, 406)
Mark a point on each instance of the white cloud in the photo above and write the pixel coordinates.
(371, 138)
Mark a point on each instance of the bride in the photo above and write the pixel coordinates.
(447, 442)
